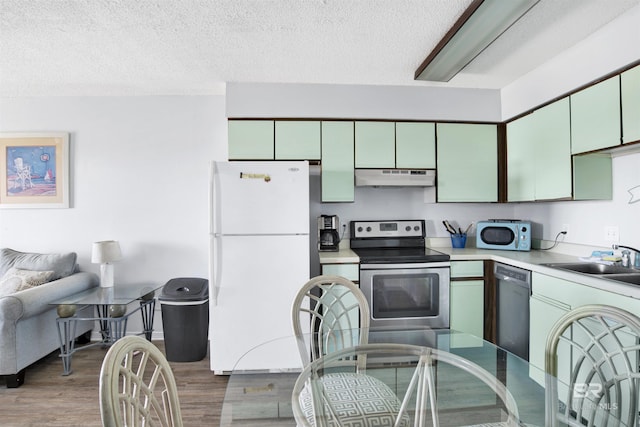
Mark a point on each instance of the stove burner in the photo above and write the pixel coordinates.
(385, 242)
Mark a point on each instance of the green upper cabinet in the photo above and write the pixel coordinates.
(595, 117)
(592, 177)
(552, 156)
(251, 139)
(337, 161)
(375, 145)
(521, 170)
(415, 145)
(467, 162)
(630, 90)
(297, 140)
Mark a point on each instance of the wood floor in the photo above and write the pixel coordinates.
(49, 399)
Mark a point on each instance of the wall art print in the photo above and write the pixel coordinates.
(34, 170)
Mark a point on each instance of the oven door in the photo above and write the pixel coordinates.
(407, 295)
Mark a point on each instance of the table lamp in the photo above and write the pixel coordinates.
(104, 253)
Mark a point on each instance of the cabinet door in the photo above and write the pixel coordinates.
(553, 151)
(337, 162)
(375, 144)
(348, 271)
(467, 310)
(595, 117)
(415, 145)
(251, 139)
(630, 90)
(521, 168)
(297, 140)
(461, 269)
(544, 313)
(592, 177)
(467, 162)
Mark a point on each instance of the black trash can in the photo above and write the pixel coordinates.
(185, 318)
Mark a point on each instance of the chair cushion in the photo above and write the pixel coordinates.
(358, 400)
(62, 265)
(16, 280)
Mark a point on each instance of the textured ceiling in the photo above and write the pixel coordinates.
(163, 47)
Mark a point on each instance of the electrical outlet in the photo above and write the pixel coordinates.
(565, 228)
(612, 233)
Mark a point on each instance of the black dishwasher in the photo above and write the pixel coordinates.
(513, 289)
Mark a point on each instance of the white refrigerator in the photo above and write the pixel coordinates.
(259, 259)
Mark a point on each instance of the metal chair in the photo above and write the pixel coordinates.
(602, 344)
(137, 386)
(317, 401)
(329, 313)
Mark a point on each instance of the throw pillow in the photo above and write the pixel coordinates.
(16, 280)
(62, 265)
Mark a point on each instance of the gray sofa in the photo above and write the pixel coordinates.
(28, 329)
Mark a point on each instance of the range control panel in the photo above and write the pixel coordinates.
(396, 228)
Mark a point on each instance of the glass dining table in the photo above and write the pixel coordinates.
(264, 397)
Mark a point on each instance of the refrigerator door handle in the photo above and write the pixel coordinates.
(214, 194)
(215, 268)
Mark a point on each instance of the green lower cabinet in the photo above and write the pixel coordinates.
(337, 161)
(467, 312)
(467, 156)
(544, 313)
(348, 271)
(553, 297)
(351, 272)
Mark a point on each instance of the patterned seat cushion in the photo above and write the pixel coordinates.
(357, 400)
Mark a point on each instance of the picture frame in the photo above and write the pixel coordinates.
(34, 170)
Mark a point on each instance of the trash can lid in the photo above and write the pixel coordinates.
(185, 289)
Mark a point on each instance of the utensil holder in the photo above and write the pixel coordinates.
(458, 240)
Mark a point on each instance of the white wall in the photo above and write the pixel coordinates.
(587, 219)
(139, 174)
(362, 102)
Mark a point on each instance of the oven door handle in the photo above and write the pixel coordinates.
(415, 265)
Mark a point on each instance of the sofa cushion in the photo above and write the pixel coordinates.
(16, 280)
(62, 265)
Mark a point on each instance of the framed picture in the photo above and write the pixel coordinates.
(34, 170)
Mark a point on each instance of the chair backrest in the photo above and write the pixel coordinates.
(329, 313)
(137, 386)
(421, 387)
(600, 344)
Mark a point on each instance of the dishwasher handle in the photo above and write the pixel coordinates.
(516, 276)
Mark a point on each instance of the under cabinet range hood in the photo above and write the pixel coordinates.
(395, 177)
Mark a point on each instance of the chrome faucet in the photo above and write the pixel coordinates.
(626, 261)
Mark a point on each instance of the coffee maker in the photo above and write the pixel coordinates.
(328, 232)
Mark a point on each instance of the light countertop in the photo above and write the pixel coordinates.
(533, 260)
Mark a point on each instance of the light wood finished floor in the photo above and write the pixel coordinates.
(49, 399)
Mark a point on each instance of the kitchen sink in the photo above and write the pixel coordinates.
(610, 272)
(593, 268)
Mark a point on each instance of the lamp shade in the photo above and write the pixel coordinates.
(105, 251)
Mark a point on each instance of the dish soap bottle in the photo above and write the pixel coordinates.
(626, 260)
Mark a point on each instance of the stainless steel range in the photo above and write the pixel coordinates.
(405, 283)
